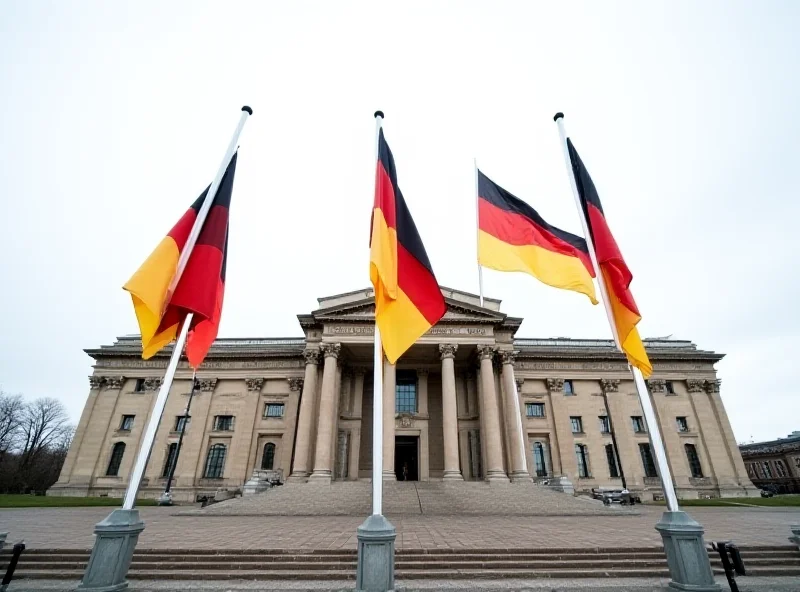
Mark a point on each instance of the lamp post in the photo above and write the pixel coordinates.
(166, 497)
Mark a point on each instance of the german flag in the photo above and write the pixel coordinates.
(201, 287)
(512, 236)
(616, 275)
(408, 300)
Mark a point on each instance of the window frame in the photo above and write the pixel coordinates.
(272, 448)
(404, 379)
(605, 424)
(693, 457)
(650, 470)
(217, 419)
(124, 420)
(638, 424)
(138, 386)
(569, 388)
(115, 460)
(669, 386)
(179, 419)
(582, 458)
(576, 420)
(269, 404)
(534, 404)
(780, 469)
(613, 463)
(219, 452)
(539, 454)
(172, 449)
(682, 428)
(766, 469)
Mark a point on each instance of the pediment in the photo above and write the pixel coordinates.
(364, 311)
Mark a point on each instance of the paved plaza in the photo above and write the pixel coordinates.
(72, 528)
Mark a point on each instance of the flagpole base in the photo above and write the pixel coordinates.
(375, 571)
(687, 556)
(165, 499)
(115, 541)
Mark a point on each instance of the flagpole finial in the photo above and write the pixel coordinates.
(379, 114)
(248, 109)
(558, 116)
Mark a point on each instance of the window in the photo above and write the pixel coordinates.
(582, 455)
(127, 423)
(694, 460)
(215, 461)
(670, 387)
(139, 388)
(172, 451)
(268, 458)
(273, 410)
(767, 470)
(605, 426)
(577, 425)
(181, 423)
(538, 459)
(751, 470)
(406, 391)
(569, 389)
(223, 423)
(534, 409)
(683, 425)
(116, 459)
(780, 468)
(797, 462)
(647, 461)
(638, 424)
(611, 457)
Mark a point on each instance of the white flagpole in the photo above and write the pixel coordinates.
(377, 381)
(478, 230)
(654, 433)
(161, 400)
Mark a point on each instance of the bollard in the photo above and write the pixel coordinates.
(12, 566)
(731, 562)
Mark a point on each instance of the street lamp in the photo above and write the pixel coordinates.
(166, 497)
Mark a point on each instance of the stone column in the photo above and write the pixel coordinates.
(494, 447)
(306, 419)
(327, 403)
(452, 471)
(389, 406)
(422, 386)
(519, 470)
(564, 441)
(355, 434)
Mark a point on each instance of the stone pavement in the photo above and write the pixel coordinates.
(73, 527)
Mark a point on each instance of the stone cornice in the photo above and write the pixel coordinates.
(766, 448)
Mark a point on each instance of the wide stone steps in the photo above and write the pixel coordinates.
(410, 564)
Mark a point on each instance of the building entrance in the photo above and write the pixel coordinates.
(406, 458)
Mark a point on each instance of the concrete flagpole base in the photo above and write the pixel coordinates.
(115, 540)
(165, 499)
(375, 572)
(687, 556)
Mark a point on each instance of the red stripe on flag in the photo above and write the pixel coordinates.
(197, 289)
(384, 196)
(419, 285)
(202, 336)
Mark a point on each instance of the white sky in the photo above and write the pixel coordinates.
(115, 116)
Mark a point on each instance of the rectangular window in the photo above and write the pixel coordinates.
(273, 410)
(534, 409)
(569, 388)
(780, 468)
(139, 388)
(582, 456)
(694, 461)
(638, 424)
(683, 425)
(670, 387)
(181, 423)
(611, 457)
(406, 391)
(767, 470)
(223, 423)
(647, 461)
(577, 425)
(797, 462)
(127, 422)
(172, 451)
(539, 460)
(605, 426)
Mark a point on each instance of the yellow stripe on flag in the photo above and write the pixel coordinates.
(383, 257)
(554, 269)
(625, 321)
(401, 325)
(148, 289)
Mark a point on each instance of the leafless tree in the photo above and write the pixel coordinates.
(43, 425)
(12, 408)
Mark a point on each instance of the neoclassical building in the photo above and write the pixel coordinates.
(469, 401)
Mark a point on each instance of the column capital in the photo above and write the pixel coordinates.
(152, 384)
(95, 382)
(694, 385)
(311, 356)
(113, 382)
(555, 385)
(508, 357)
(609, 385)
(657, 385)
(295, 384)
(448, 350)
(485, 352)
(423, 372)
(207, 384)
(712, 386)
(331, 350)
(254, 384)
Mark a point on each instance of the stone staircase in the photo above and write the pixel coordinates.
(410, 564)
(434, 498)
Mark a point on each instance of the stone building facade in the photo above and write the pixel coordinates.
(774, 465)
(469, 401)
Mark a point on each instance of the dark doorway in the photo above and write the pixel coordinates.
(406, 458)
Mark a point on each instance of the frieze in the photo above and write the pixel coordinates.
(571, 366)
(350, 330)
(215, 365)
(777, 449)
(254, 384)
(458, 331)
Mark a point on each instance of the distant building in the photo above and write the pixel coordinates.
(775, 464)
(469, 401)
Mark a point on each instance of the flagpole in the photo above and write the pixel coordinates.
(377, 381)
(161, 400)
(478, 230)
(653, 430)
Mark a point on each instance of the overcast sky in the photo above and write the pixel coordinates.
(115, 116)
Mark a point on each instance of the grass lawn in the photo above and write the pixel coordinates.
(42, 501)
(779, 501)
